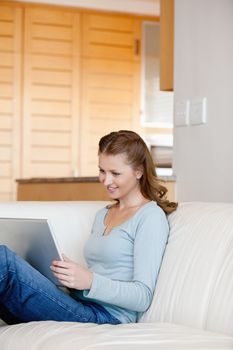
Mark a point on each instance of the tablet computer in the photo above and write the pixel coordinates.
(33, 240)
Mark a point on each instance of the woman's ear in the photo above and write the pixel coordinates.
(139, 174)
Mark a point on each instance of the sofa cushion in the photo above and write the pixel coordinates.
(195, 283)
(50, 335)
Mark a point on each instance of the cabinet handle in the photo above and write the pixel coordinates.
(137, 47)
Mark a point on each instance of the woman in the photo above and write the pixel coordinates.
(123, 252)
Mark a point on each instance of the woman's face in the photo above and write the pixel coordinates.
(119, 178)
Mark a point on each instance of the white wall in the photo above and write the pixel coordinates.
(203, 155)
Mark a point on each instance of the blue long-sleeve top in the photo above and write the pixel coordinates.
(125, 262)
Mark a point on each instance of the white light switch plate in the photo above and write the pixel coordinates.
(182, 113)
(198, 112)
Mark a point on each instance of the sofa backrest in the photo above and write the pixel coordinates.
(71, 221)
(195, 284)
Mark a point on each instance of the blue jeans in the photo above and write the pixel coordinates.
(26, 295)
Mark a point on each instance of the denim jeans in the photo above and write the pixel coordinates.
(26, 295)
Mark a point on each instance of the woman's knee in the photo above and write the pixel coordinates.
(4, 250)
(5, 254)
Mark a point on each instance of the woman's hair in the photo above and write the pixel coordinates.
(138, 156)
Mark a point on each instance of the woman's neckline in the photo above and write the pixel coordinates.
(125, 221)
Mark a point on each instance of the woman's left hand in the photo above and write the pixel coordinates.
(71, 274)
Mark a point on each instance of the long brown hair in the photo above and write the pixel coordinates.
(139, 157)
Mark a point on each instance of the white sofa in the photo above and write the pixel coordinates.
(193, 301)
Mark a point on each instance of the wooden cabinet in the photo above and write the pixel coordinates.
(67, 76)
(110, 80)
(51, 92)
(10, 98)
(166, 44)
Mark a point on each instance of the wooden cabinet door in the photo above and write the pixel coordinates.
(51, 92)
(10, 99)
(166, 44)
(110, 67)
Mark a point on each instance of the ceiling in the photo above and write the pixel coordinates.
(147, 7)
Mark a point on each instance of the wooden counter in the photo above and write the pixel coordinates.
(69, 189)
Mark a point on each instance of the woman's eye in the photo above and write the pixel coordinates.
(101, 171)
(116, 174)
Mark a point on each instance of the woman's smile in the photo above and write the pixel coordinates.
(111, 189)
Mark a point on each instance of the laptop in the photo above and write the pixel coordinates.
(33, 240)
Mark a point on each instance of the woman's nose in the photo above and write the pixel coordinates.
(107, 179)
